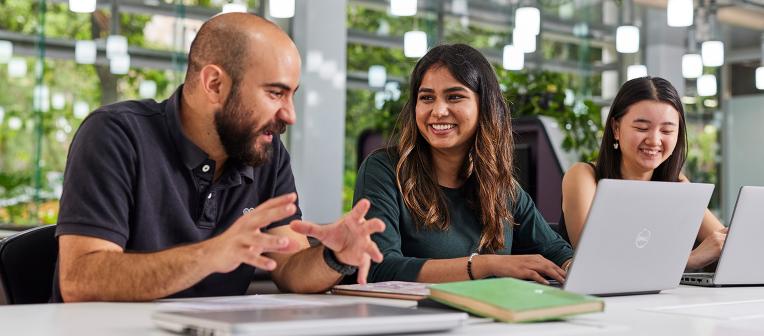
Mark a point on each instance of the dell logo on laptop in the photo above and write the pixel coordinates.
(643, 237)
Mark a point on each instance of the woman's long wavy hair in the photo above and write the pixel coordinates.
(633, 91)
(487, 169)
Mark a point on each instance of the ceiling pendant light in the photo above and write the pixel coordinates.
(147, 89)
(414, 43)
(692, 66)
(116, 45)
(234, 8)
(524, 40)
(80, 109)
(528, 19)
(6, 51)
(17, 67)
(513, 58)
(627, 39)
(377, 76)
(712, 53)
(402, 7)
(707, 85)
(82, 6)
(85, 52)
(119, 64)
(636, 71)
(281, 9)
(679, 13)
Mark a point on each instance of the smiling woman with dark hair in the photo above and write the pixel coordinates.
(645, 139)
(445, 187)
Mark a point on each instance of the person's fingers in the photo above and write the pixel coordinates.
(268, 243)
(554, 273)
(262, 217)
(373, 250)
(537, 277)
(373, 225)
(309, 229)
(363, 269)
(359, 211)
(260, 262)
(275, 202)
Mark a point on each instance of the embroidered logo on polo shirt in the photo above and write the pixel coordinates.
(247, 210)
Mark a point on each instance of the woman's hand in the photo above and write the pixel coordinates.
(708, 251)
(527, 267)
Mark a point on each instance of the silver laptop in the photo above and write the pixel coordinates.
(347, 319)
(741, 246)
(638, 236)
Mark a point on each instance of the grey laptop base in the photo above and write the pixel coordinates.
(348, 319)
(741, 246)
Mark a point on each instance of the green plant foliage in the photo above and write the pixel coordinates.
(543, 93)
(76, 82)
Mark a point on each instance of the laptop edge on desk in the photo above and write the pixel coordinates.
(745, 231)
(346, 319)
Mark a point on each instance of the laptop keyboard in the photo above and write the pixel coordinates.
(699, 275)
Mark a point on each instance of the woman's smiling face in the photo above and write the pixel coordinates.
(647, 134)
(446, 111)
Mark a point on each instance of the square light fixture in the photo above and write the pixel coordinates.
(85, 52)
(116, 45)
(525, 40)
(119, 64)
(234, 8)
(712, 53)
(377, 76)
(692, 66)
(82, 6)
(528, 19)
(707, 85)
(17, 67)
(679, 13)
(400, 7)
(281, 9)
(627, 39)
(513, 58)
(147, 89)
(636, 71)
(6, 51)
(414, 43)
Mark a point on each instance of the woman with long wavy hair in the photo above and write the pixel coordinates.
(445, 187)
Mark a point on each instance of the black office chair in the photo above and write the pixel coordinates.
(27, 263)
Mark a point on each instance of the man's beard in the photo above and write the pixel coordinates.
(236, 135)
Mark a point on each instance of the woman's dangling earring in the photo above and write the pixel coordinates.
(615, 145)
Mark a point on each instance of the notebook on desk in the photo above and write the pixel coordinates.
(346, 319)
(737, 265)
(637, 237)
(402, 290)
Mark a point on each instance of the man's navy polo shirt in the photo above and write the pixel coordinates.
(133, 178)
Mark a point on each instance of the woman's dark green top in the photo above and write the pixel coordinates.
(406, 247)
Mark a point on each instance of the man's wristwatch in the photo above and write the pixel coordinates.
(331, 260)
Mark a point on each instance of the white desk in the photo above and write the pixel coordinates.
(626, 315)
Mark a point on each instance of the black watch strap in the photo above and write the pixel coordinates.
(331, 260)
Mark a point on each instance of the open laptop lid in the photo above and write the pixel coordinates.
(744, 236)
(348, 319)
(638, 236)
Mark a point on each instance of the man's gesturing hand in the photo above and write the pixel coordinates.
(243, 242)
(349, 238)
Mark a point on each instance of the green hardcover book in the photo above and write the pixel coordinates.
(512, 300)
